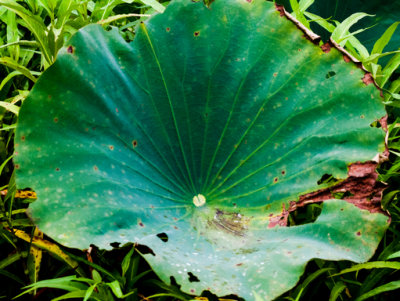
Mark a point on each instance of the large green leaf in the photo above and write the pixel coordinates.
(204, 128)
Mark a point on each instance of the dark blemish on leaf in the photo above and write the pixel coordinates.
(57, 169)
(141, 224)
(196, 33)
(95, 168)
(193, 278)
(299, 50)
(283, 172)
(362, 116)
(239, 264)
(49, 96)
(23, 138)
(192, 291)
(174, 218)
(276, 180)
(358, 233)
(175, 227)
(163, 236)
(326, 47)
(368, 79)
(111, 147)
(55, 120)
(134, 143)
(16, 166)
(281, 9)
(116, 110)
(70, 49)
(330, 74)
(346, 58)
(168, 29)
(275, 74)
(231, 222)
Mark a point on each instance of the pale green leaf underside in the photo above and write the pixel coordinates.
(230, 102)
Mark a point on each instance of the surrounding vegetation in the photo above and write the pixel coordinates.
(32, 32)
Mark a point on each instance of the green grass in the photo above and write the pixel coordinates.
(33, 266)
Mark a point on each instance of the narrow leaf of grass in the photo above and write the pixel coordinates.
(389, 69)
(369, 266)
(311, 278)
(342, 29)
(50, 247)
(33, 23)
(10, 107)
(9, 62)
(4, 165)
(8, 128)
(381, 43)
(89, 292)
(10, 259)
(119, 17)
(12, 276)
(394, 255)
(127, 261)
(304, 4)
(320, 21)
(380, 289)
(116, 289)
(154, 4)
(21, 43)
(72, 295)
(337, 290)
(95, 266)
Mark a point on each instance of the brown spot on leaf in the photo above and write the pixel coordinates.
(326, 47)
(70, 49)
(95, 168)
(134, 143)
(368, 79)
(57, 169)
(346, 58)
(358, 233)
(168, 29)
(361, 189)
(111, 147)
(231, 222)
(280, 9)
(55, 120)
(196, 33)
(283, 172)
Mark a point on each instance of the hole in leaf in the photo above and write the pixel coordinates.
(326, 179)
(115, 244)
(305, 215)
(193, 278)
(330, 74)
(173, 282)
(145, 249)
(342, 194)
(163, 236)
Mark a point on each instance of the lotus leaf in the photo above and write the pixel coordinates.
(204, 128)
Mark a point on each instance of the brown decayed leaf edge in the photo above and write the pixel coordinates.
(361, 185)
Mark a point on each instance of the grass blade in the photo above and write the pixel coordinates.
(337, 290)
(380, 289)
(371, 265)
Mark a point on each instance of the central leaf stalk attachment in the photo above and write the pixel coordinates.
(199, 200)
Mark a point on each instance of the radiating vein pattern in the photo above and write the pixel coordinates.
(203, 128)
